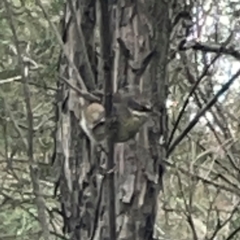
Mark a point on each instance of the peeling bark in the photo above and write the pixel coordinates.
(72, 163)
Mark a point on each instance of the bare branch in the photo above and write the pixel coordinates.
(187, 211)
(230, 190)
(221, 225)
(86, 95)
(233, 233)
(207, 47)
(195, 87)
(191, 80)
(224, 88)
(8, 80)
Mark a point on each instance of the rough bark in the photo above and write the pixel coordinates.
(83, 191)
(106, 40)
(71, 161)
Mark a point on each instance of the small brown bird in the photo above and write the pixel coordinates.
(128, 115)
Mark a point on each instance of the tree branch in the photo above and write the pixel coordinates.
(189, 127)
(86, 95)
(215, 48)
(193, 89)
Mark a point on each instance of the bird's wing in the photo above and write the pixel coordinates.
(134, 105)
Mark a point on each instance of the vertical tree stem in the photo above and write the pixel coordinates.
(106, 44)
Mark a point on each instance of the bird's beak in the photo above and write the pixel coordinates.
(100, 121)
(140, 113)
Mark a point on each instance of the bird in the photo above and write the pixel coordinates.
(128, 116)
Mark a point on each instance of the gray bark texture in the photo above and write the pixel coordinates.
(139, 29)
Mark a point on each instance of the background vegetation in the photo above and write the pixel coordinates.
(201, 184)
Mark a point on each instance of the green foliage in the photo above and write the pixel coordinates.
(126, 129)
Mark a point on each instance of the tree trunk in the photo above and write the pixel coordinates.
(83, 189)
